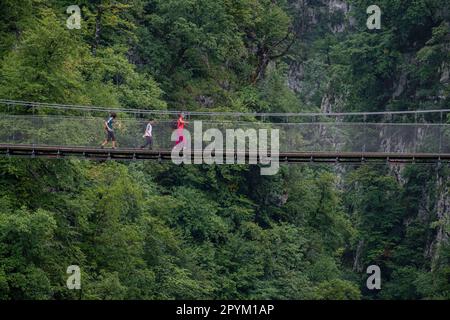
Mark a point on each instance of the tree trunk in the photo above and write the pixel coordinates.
(263, 62)
(98, 21)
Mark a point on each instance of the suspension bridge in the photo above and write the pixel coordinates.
(32, 129)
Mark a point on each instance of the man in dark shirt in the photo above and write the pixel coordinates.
(109, 130)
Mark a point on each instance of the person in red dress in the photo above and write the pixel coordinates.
(180, 127)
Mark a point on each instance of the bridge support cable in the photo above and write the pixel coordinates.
(25, 106)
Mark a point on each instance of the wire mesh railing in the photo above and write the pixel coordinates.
(88, 131)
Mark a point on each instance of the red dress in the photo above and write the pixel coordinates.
(180, 128)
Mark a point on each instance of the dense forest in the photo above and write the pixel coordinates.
(149, 230)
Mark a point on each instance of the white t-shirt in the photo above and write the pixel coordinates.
(148, 131)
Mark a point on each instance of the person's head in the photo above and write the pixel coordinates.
(151, 120)
(182, 115)
(113, 115)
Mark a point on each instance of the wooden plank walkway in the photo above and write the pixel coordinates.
(164, 155)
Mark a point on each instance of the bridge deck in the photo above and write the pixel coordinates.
(139, 154)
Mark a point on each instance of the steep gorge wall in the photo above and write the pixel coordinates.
(308, 77)
(443, 216)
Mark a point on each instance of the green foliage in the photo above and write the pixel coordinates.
(54, 64)
(144, 230)
(26, 244)
(337, 290)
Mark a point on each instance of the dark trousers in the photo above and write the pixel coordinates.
(110, 136)
(148, 142)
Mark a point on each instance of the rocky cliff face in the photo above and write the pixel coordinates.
(308, 78)
(304, 76)
(443, 216)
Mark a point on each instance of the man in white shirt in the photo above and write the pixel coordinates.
(148, 135)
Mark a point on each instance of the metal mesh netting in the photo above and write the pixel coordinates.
(298, 137)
